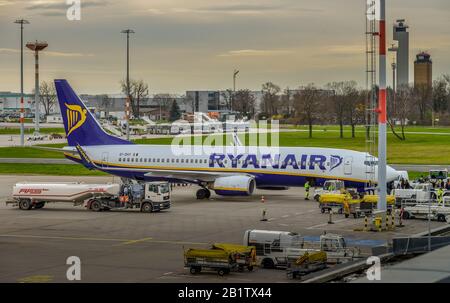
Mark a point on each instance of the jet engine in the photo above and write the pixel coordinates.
(234, 186)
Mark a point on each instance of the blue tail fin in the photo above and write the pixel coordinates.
(80, 125)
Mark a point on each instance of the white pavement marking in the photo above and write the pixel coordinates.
(325, 224)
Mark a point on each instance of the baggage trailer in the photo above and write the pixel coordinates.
(366, 206)
(245, 255)
(148, 197)
(435, 211)
(350, 203)
(308, 263)
(214, 259)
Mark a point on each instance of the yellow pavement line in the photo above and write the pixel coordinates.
(123, 241)
(135, 241)
(66, 238)
(36, 279)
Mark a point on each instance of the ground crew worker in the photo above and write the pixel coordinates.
(331, 187)
(307, 187)
(440, 195)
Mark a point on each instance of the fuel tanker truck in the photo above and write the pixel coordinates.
(148, 197)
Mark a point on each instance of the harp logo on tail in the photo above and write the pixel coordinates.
(76, 116)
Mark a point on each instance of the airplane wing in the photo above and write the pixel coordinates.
(189, 175)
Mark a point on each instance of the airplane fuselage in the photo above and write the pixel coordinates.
(288, 166)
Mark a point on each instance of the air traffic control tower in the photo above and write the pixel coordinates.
(401, 35)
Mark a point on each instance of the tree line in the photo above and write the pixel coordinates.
(339, 103)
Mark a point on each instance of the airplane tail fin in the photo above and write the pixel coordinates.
(80, 125)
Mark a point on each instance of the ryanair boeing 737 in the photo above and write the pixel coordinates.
(227, 174)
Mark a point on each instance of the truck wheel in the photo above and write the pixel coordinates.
(39, 205)
(441, 218)
(96, 206)
(268, 263)
(146, 207)
(406, 215)
(193, 270)
(322, 210)
(25, 204)
(221, 272)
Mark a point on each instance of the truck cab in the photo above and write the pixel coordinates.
(148, 197)
(438, 175)
(157, 191)
(332, 243)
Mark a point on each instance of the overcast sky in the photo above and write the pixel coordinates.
(184, 45)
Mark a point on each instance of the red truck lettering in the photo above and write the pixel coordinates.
(32, 191)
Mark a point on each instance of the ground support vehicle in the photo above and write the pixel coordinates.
(245, 256)
(435, 211)
(365, 206)
(339, 202)
(308, 263)
(218, 260)
(148, 197)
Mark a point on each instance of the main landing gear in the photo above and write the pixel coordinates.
(203, 193)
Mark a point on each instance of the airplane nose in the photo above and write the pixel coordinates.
(391, 174)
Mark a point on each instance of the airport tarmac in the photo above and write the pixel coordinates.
(129, 246)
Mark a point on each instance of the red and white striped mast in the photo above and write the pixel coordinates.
(382, 112)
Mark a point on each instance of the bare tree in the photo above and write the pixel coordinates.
(270, 99)
(307, 101)
(424, 96)
(47, 96)
(163, 101)
(399, 111)
(106, 103)
(441, 94)
(287, 102)
(245, 102)
(356, 108)
(138, 92)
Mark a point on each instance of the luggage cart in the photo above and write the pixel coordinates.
(216, 260)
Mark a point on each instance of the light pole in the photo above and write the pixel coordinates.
(22, 127)
(235, 73)
(36, 47)
(127, 104)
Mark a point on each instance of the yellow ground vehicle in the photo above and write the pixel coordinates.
(350, 203)
(327, 202)
(219, 260)
(308, 263)
(366, 206)
(245, 256)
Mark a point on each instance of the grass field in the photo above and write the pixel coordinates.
(417, 149)
(47, 169)
(30, 131)
(347, 129)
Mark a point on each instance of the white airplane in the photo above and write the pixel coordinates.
(227, 174)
